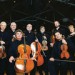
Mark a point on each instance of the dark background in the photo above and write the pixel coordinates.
(38, 12)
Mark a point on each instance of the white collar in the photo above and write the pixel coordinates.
(73, 33)
(57, 28)
(2, 30)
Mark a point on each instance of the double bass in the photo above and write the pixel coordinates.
(37, 47)
(24, 64)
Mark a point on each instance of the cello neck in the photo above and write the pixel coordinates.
(36, 39)
(25, 45)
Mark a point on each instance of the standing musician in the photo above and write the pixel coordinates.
(0, 26)
(30, 37)
(13, 51)
(71, 44)
(11, 32)
(59, 52)
(59, 28)
(36, 48)
(43, 38)
(13, 27)
(4, 46)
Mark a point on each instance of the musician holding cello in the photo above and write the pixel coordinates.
(60, 52)
(4, 45)
(13, 52)
(20, 49)
(44, 39)
(13, 28)
(30, 38)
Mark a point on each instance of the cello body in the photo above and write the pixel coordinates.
(36, 47)
(23, 63)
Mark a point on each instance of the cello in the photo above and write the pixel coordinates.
(37, 47)
(24, 64)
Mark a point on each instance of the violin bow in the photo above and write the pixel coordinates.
(64, 60)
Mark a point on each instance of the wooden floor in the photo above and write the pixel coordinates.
(28, 73)
(69, 73)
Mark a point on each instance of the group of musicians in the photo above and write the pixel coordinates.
(51, 53)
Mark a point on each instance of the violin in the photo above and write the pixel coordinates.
(44, 43)
(37, 47)
(64, 53)
(53, 39)
(24, 64)
(2, 51)
(13, 38)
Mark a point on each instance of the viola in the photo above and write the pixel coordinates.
(53, 39)
(2, 51)
(64, 53)
(44, 43)
(24, 64)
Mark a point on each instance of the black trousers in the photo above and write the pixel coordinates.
(72, 67)
(39, 69)
(45, 65)
(2, 66)
(55, 67)
(11, 68)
